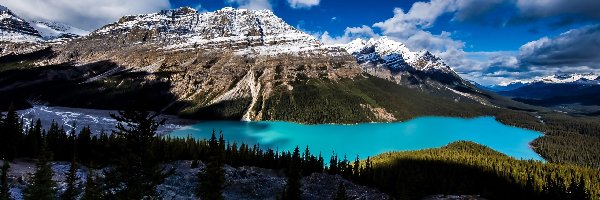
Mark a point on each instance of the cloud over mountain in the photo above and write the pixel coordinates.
(85, 14)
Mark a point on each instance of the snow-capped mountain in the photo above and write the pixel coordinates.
(388, 59)
(222, 56)
(240, 30)
(574, 78)
(16, 29)
(54, 30)
(561, 89)
(384, 52)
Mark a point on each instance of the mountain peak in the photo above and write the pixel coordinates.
(393, 54)
(259, 32)
(16, 29)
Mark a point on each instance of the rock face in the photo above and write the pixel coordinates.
(391, 60)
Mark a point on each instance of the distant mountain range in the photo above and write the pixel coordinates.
(230, 64)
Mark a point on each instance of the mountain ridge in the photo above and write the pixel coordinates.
(243, 64)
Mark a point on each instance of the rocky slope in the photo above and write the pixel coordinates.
(240, 183)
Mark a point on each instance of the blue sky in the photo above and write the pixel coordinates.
(488, 41)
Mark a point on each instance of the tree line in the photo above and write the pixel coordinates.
(134, 156)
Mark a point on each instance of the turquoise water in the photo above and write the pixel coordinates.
(370, 139)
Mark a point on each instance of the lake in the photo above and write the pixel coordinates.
(369, 139)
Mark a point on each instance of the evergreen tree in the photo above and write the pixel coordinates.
(341, 192)
(10, 135)
(577, 189)
(356, 169)
(137, 172)
(4, 189)
(83, 145)
(333, 164)
(41, 186)
(72, 183)
(92, 187)
(294, 177)
(212, 178)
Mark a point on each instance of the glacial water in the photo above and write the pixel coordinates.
(369, 139)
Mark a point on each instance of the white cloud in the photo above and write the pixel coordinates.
(303, 3)
(350, 34)
(252, 4)
(85, 14)
(420, 16)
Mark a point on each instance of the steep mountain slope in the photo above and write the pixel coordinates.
(391, 60)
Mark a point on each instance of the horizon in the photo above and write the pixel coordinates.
(493, 43)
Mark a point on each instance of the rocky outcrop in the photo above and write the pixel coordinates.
(240, 183)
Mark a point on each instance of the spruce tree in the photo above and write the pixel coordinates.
(212, 178)
(72, 183)
(137, 171)
(10, 135)
(356, 169)
(4, 189)
(41, 185)
(341, 192)
(294, 177)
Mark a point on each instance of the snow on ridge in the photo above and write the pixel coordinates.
(227, 28)
(582, 78)
(393, 54)
(53, 30)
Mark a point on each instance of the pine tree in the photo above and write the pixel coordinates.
(341, 192)
(92, 187)
(10, 135)
(83, 145)
(4, 189)
(577, 189)
(333, 164)
(41, 186)
(356, 169)
(138, 172)
(72, 183)
(212, 178)
(294, 177)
